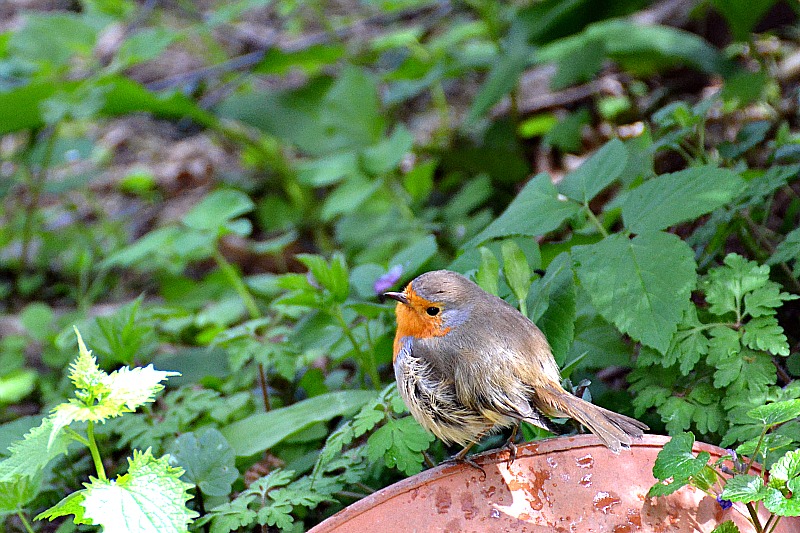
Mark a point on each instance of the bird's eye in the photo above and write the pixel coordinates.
(432, 311)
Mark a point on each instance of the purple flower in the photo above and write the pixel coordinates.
(387, 281)
(725, 504)
(732, 453)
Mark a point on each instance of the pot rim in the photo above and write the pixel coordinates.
(492, 457)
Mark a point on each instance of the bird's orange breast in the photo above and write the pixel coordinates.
(413, 321)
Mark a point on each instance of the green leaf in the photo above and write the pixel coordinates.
(149, 497)
(673, 198)
(332, 275)
(488, 275)
(764, 333)
(676, 459)
(763, 301)
(285, 421)
(744, 488)
(144, 45)
(503, 77)
(516, 269)
(208, 461)
(386, 155)
(726, 527)
(787, 250)
(415, 255)
(17, 493)
(742, 15)
(536, 210)
(557, 322)
(30, 455)
(776, 412)
(217, 208)
(70, 505)
(400, 444)
(665, 489)
(726, 286)
(784, 479)
(630, 287)
(596, 173)
(101, 396)
(351, 110)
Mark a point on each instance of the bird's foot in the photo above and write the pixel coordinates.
(512, 451)
(459, 459)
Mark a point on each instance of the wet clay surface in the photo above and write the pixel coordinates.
(569, 484)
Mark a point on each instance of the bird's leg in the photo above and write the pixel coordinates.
(512, 447)
(461, 457)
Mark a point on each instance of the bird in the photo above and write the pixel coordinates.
(468, 364)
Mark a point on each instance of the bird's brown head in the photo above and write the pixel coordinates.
(433, 304)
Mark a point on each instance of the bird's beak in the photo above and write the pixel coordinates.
(399, 296)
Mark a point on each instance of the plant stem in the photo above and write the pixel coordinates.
(754, 518)
(757, 449)
(775, 523)
(262, 379)
(367, 360)
(24, 521)
(98, 461)
(238, 284)
(595, 220)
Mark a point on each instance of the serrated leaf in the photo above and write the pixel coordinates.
(743, 488)
(676, 459)
(764, 333)
(30, 455)
(332, 275)
(630, 287)
(536, 210)
(776, 412)
(787, 467)
(726, 527)
(788, 250)
(778, 504)
(70, 505)
(208, 461)
(597, 173)
(665, 489)
(124, 390)
(17, 493)
(764, 300)
(399, 443)
(673, 198)
(149, 498)
(726, 286)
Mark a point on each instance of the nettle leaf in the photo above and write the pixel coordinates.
(596, 173)
(764, 333)
(536, 210)
(776, 413)
(744, 488)
(208, 461)
(17, 493)
(673, 198)
(71, 505)
(400, 443)
(30, 455)
(149, 497)
(630, 286)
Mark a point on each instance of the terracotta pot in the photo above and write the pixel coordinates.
(567, 484)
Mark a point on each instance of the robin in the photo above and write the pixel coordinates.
(468, 364)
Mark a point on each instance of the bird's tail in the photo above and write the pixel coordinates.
(615, 430)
